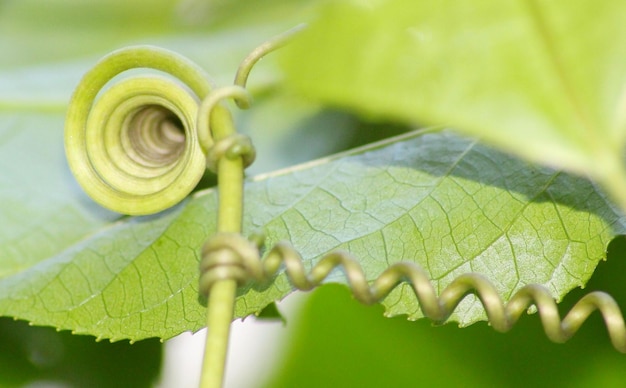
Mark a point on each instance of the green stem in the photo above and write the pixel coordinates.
(219, 315)
(222, 295)
(241, 78)
(221, 298)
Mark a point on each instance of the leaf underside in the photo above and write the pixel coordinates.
(440, 200)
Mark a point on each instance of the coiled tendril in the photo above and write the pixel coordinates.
(232, 256)
(141, 145)
(135, 147)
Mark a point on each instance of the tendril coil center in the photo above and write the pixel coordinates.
(155, 136)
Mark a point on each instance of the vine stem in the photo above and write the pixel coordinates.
(221, 299)
(219, 315)
(241, 78)
(221, 296)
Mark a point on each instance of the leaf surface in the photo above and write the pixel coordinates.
(445, 202)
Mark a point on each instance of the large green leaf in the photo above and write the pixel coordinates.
(541, 78)
(442, 201)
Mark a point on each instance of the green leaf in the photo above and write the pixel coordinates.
(442, 201)
(542, 79)
(447, 203)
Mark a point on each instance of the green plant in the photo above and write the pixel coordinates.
(447, 202)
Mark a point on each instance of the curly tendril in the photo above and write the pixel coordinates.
(134, 146)
(232, 256)
(141, 145)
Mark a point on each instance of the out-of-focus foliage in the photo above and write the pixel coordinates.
(41, 355)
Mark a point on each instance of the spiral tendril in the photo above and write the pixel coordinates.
(241, 78)
(133, 146)
(232, 256)
(142, 144)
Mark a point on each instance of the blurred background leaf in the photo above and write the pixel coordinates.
(542, 79)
